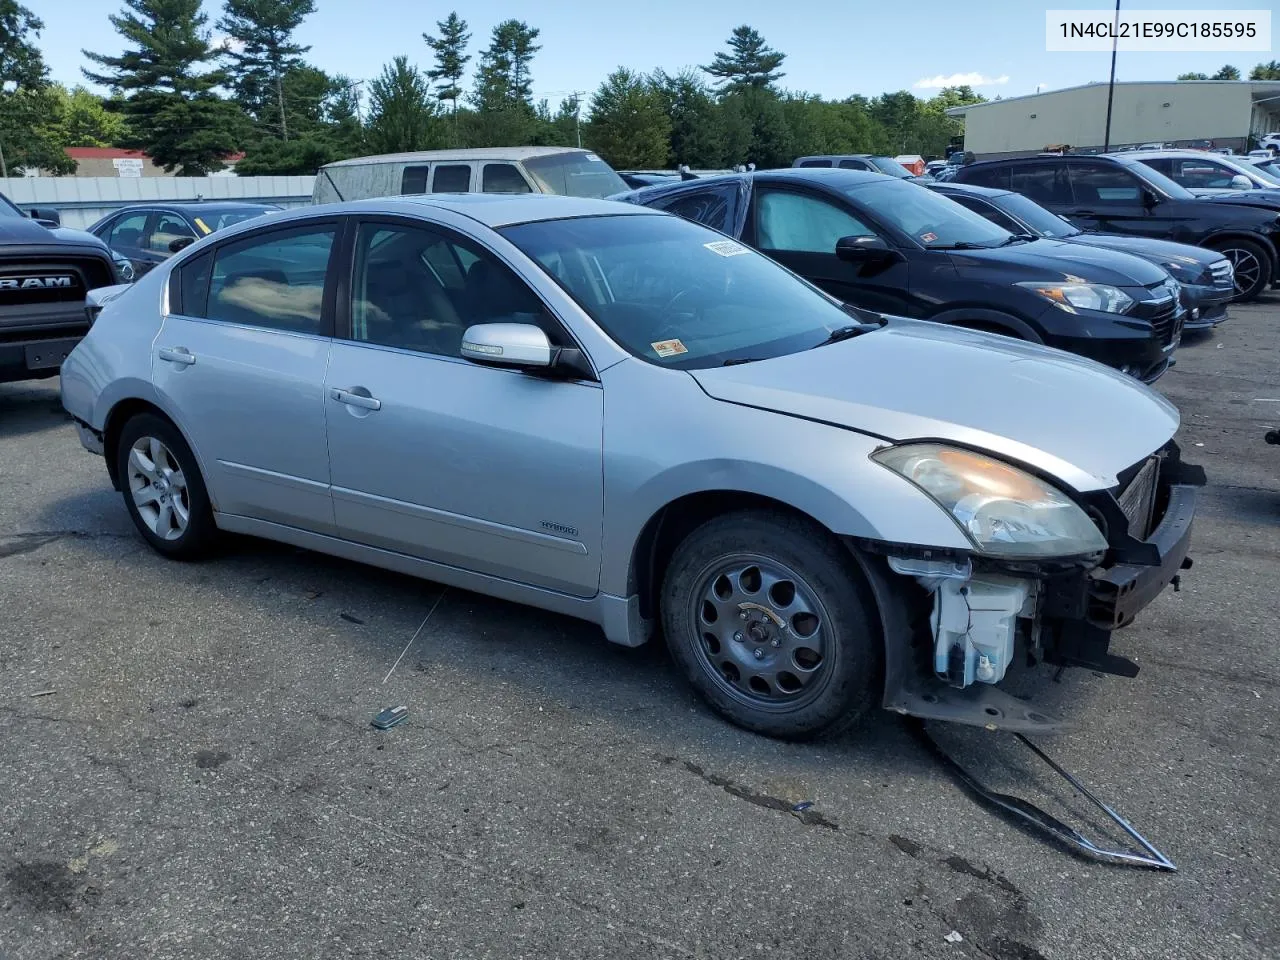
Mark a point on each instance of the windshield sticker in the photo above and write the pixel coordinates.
(202, 225)
(928, 237)
(726, 248)
(669, 348)
(592, 158)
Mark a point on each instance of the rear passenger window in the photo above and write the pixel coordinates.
(504, 178)
(451, 178)
(274, 280)
(814, 163)
(414, 180)
(1043, 182)
(1102, 184)
(711, 208)
(996, 177)
(855, 165)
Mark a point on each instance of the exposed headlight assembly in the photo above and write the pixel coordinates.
(1083, 296)
(1004, 511)
(124, 268)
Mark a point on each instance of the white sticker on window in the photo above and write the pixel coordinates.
(669, 348)
(593, 158)
(726, 248)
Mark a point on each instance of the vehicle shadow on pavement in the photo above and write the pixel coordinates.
(27, 408)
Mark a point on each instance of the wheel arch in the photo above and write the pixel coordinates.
(124, 410)
(977, 317)
(1268, 246)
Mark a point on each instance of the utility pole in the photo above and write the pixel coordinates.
(577, 114)
(4, 169)
(1111, 87)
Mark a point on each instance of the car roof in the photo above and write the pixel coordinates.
(490, 209)
(470, 153)
(197, 206)
(830, 176)
(1173, 154)
(950, 186)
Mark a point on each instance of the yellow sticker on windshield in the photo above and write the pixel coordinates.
(202, 225)
(726, 248)
(669, 348)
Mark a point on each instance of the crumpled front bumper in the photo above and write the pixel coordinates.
(1206, 306)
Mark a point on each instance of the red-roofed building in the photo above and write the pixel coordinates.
(118, 162)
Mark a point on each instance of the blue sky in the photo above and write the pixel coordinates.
(834, 49)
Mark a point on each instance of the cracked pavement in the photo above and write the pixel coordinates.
(203, 780)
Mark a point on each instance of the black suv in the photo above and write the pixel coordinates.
(45, 272)
(1115, 194)
(888, 245)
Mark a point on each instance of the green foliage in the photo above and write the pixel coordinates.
(20, 60)
(629, 126)
(262, 52)
(1227, 72)
(698, 136)
(503, 79)
(81, 119)
(28, 109)
(756, 128)
(450, 49)
(280, 158)
(749, 62)
(172, 108)
(402, 112)
(1193, 76)
(1266, 71)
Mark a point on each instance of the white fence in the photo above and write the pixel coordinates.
(83, 200)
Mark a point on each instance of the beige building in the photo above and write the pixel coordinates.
(1174, 112)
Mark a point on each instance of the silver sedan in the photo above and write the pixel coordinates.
(616, 414)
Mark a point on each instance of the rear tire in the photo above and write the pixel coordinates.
(768, 617)
(163, 490)
(1252, 265)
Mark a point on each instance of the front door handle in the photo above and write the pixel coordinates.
(353, 399)
(180, 355)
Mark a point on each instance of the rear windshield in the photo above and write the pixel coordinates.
(213, 222)
(575, 175)
(892, 167)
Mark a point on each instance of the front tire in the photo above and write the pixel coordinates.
(1252, 266)
(163, 490)
(770, 620)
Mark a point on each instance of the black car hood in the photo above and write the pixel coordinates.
(1264, 199)
(1148, 248)
(20, 230)
(1061, 260)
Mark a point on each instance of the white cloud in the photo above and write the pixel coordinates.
(973, 79)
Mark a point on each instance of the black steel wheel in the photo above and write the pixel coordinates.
(769, 618)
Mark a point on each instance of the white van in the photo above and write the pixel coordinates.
(562, 170)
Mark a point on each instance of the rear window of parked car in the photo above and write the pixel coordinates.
(575, 175)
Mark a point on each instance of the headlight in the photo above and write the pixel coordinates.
(1005, 511)
(124, 269)
(1083, 296)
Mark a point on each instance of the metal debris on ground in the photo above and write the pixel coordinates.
(1031, 815)
(802, 806)
(389, 717)
(953, 937)
(43, 693)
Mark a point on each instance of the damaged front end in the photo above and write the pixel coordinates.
(969, 618)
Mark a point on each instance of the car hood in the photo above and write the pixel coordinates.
(1045, 260)
(1071, 418)
(1266, 199)
(1148, 248)
(14, 230)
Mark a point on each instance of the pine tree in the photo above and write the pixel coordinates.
(749, 62)
(401, 114)
(450, 49)
(629, 126)
(171, 106)
(503, 79)
(262, 51)
(697, 126)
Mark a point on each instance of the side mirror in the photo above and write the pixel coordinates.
(46, 215)
(1149, 199)
(863, 250)
(181, 243)
(1241, 182)
(520, 345)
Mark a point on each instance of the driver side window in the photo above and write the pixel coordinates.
(419, 289)
(797, 223)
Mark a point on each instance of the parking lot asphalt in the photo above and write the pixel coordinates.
(188, 768)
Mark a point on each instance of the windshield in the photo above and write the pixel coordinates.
(8, 208)
(928, 218)
(213, 222)
(1038, 220)
(892, 167)
(1259, 172)
(678, 295)
(575, 175)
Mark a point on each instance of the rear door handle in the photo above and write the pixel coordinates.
(178, 355)
(353, 399)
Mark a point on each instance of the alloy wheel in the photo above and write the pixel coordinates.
(763, 634)
(159, 488)
(1247, 268)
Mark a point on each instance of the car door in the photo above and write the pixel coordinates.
(165, 229)
(126, 234)
(240, 361)
(490, 470)
(1110, 199)
(800, 228)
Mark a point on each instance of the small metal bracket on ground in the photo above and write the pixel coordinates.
(1028, 813)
